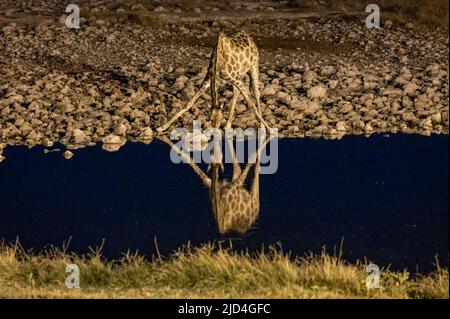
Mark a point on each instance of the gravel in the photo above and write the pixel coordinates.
(122, 75)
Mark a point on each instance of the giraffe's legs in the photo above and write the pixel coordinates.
(254, 80)
(254, 192)
(252, 159)
(205, 179)
(244, 92)
(205, 86)
(236, 167)
(233, 106)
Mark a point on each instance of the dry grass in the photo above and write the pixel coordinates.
(209, 271)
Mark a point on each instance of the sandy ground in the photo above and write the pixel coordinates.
(130, 67)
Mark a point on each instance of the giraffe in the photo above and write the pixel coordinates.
(233, 57)
(235, 207)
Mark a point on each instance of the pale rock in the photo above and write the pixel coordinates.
(437, 117)
(68, 154)
(146, 133)
(312, 107)
(332, 84)
(317, 91)
(270, 89)
(121, 130)
(409, 117)
(341, 126)
(112, 139)
(79, 137)
(410, 88)
(112, 143)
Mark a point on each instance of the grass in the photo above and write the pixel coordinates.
(208, 271)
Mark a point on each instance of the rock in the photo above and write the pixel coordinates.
(270, 89)
(298, 104)
(33, 138)
(406, 102)
(65, 107)
(341, 126)
(19, 122)
(284, 97)
(180, 83)
(346, 108)
(410, 88)
(332, 84)
(120, 130)
(368, 129)
(79, 137)
(146, 133)
(369, 85)
(68, 154)
(358, 124)
(112, 139)
(327, 70)
(26, 128)
(426, 123)
(2, 158)
(409, 117)
(392, 93)
(309, 76)
(317, 92)
(313, 107)
(436, 118)
(405, 74)
(112, 143)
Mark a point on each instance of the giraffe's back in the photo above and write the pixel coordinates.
(236, 54)
(237, 210)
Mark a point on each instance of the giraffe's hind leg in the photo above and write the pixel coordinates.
(254, 82)
(233, 106)
(240, 86)
(190, 104)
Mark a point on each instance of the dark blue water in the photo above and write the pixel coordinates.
(387, 197)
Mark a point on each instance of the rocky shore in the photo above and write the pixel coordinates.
(128, 69)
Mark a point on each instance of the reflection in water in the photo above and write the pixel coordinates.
(387, 197)
(235, 203)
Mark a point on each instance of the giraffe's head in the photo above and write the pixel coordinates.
(216, 116)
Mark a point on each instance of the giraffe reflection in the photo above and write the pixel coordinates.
(235, 202)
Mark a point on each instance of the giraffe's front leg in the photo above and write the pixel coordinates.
(233, 106)
(190, 104)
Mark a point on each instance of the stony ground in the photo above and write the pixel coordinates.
(130, 66)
